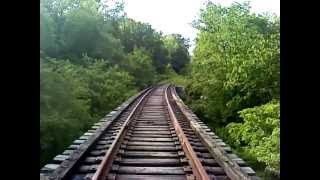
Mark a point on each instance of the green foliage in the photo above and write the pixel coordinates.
(259, 133)
(93, 58)
(74, 96)
(236, 61)
(47, 32)
(108, 86)
(236, 68)
(140, 65)
(63, 116)
(178, 51)
(84, 31)
(140, 35)
(171, 77)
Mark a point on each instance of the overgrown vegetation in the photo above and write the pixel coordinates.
(235, 77)
(259, 134)
(233, 81)
(93, 57)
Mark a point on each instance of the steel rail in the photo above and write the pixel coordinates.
(104, 167)
(66, 167)
(197, 168)
(231, 168)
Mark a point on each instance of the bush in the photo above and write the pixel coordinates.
(235, 64)
(259, 134)
(73, 97)
(140, 66)
(63, 115)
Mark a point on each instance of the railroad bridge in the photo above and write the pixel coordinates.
(153, 135)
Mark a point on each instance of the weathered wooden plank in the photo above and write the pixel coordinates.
(51, 166)
(150, 154)
(209, 162)
(84, 137)
(220, 177)
(148, 177)
(156, 114)
(141, 143)
(149, 162)
(152, 126)
(93, 160)
(152, 135)
(88, 134)
(152, 129)
(78, 141)
(88, 168)
(151, 148)
(74, 146)
(232, 156)
(102, 147)
(67, 152)
(152, 132)
(60, 158)
(98, 153)
(206, 155)
(215, 170)
(153, 107)
(227, 149)
(155, 119)
(248, 170)
(151, 139)
(200, 149)
(152, 116)
(240, 161)
(95, 127)
(151, 121)
(151, 170)
(196, 144)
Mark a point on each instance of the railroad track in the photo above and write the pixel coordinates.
(151, 136)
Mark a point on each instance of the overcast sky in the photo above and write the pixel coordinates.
(175, 16)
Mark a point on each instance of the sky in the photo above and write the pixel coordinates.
(175, 16)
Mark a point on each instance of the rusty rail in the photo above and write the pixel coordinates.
(231, 168)
(106, 163)
(156, 136)
(197, 168)
(62, 172)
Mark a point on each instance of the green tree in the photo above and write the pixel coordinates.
(85, 31)
(235, 64)
(108, 86)
(177, 51)
(236, 68)
(141, 35)
(92, 58)
(260, 133)
(48, 27)
(63, 116)
(139, 64)
(73, 97)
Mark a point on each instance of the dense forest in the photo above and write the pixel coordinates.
(93, 57)
(233, 81)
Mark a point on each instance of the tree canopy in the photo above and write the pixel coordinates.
(233, 81)
(92, 58)
(235, 78)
